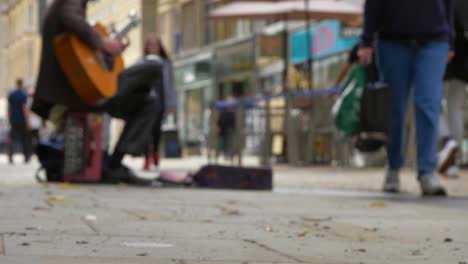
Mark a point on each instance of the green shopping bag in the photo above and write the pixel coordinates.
(347, 109)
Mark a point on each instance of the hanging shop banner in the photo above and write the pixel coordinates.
(326, 39)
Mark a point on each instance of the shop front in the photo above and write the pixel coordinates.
(235, 68)
(328, 48)
(195, 91)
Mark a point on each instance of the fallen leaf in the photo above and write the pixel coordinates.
(142, 254)
(377, 205)
(303, 233)
(25, 244)
(448, 240)
(56, 198)
(68, 186)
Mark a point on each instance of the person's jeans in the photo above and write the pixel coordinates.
(422, 67)
(453, 118)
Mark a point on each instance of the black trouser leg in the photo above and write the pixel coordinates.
(137, 132)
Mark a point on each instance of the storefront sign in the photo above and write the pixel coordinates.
(270, 49)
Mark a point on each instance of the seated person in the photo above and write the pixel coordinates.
(133, 103)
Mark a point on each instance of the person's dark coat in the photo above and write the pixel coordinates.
(458, 68)
(52, 86)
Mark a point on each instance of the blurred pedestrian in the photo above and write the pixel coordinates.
(18, 113)
(453, 118)
(413, 46)
(227, 127)
(166, 92)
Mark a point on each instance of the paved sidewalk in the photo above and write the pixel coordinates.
(300, 222)
(120, 224)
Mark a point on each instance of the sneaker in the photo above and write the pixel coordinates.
(452, 173)
(431, 185)
(392, 182)
(447, 156)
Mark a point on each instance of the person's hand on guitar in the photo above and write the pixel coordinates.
(113, 47)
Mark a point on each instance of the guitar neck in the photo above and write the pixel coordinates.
(123, 32)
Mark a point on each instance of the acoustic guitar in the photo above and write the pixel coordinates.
(93, 74)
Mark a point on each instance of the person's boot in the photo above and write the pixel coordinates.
(392, 181)
(146, 166)
(156, 158)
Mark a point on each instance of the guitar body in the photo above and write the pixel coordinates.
(92, 78)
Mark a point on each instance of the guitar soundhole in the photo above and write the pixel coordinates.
(109, 62)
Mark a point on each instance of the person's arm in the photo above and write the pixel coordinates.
(371, 22)
(451, 21)
(26, 113)
(74, 19)
(461, 15)
(9, 110)
(170, 92)
(343, 72)
(372, 12)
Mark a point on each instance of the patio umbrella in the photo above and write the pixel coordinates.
(288, 10)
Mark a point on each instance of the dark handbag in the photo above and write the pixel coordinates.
(375, 111)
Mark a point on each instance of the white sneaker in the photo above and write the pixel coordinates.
(447, 156)
(431, 185)
(392, 181)
(453, 172)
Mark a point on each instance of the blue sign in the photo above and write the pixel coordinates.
(325, 41)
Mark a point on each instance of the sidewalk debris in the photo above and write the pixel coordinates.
(56, 198)
(90, 217)
(448, 240)
(312, 219)
(303, 233)
(146, 245)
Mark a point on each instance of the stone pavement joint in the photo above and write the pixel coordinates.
(91, 226)
(2, 245)
(267, 248)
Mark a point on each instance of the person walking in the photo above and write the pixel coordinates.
(18, 113)
(456, 79)
(164, 89)
(413, 40)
